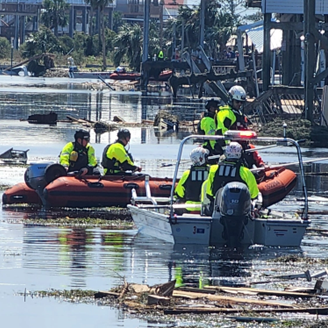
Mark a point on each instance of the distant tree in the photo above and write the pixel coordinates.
(117, 20)
(5, 48)
(54, 14)
(219, 24)
(128, 44)
(66, 43)
(40, 42)
(100, 6)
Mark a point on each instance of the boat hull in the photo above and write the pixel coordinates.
(277, 230)
(116, 191)
(185, 230)
(89, 191)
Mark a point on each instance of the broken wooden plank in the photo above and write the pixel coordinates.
(257, 291)
(165, 289)
(138, 288)
(253, 319)
(197, 290)
(192, 295)
(182, 310)
(306, 275)
(158, 300)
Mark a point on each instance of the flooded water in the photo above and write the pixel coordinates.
(35, 258)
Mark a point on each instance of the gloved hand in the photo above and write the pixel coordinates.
(83, 171)
(138, 169)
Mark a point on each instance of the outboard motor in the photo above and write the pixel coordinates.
(233, 201)
(38, 175)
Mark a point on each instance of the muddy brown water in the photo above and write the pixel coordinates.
(36, 257)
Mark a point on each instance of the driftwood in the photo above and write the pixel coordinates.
(200, 310)
(230, 300)
(256, 291)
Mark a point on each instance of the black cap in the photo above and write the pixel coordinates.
(212, 103)
(123, 133)
(82, 134)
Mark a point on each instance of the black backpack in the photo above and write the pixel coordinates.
(199, 130)
(105, 160)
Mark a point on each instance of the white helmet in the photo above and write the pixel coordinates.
(233, 150)
(199, 156)
(237, 93)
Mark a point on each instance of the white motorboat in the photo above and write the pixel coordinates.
(232, 222)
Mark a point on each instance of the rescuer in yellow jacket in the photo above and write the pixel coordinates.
(230, 170)
(160, 55)
(231, 117)
(79, 155)
(207, 125)
(116, 160)
(188, 190)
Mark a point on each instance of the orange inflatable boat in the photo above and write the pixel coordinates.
(89, 191)
(276, 185)
(94, 191)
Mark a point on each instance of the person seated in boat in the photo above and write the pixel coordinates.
(230, 169)
(79, 155)
(231, 117)
(120, 69)
(206, 125)
(188, 190)
(116, 159)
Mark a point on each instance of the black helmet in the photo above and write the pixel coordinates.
(212, 103)
(123, 133)
(82, 134)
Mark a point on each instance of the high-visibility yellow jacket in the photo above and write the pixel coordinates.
(207, 126)
(189, 187)
(225, 172)
(229, 119)
(116, 159)
(83, 156)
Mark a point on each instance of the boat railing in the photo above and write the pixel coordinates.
(148, 198)
(244, 136)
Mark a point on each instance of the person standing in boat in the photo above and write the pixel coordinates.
(231, 117)
(228, 170)
(188, 190)
(79, 155)
(115, 159)
(207, 126)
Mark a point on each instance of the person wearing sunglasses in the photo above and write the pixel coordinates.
(79, 156)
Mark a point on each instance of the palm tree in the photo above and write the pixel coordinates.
(100, 5)
(55, 14)
(219, 22)
(128, 43)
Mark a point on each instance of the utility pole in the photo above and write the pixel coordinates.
(12, 53)
(266, 60)
(202, 22)
(309, 23)
(145, 50)
(146, 30)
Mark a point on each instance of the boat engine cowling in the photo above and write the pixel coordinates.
(233, 202)
(38, 175)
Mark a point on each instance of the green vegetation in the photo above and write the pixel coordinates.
(123, 45)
